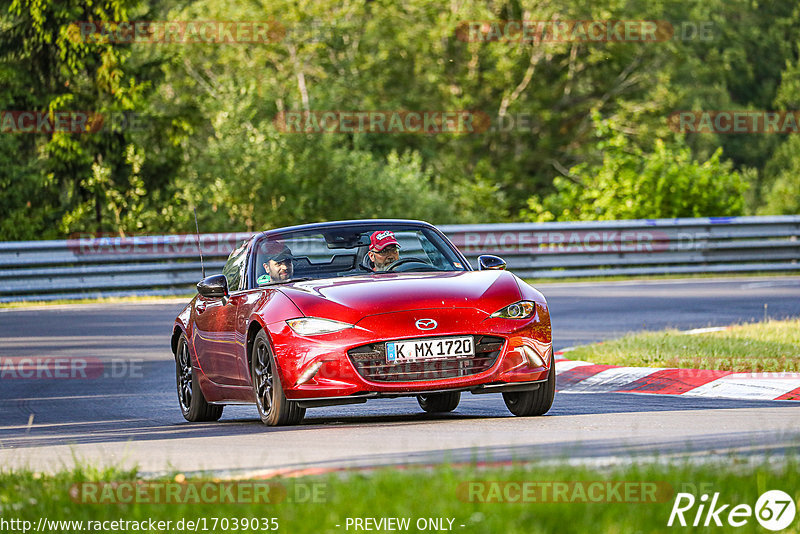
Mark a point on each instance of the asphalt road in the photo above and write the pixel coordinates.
(126, 414)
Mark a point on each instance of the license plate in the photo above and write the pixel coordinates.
(429, 349)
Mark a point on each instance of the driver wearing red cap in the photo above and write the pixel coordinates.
(383, 249)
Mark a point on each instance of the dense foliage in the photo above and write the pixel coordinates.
(579, 129)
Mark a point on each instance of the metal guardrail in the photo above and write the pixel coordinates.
(164, 265)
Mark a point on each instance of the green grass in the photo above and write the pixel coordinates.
(442, 492)
(755, 347)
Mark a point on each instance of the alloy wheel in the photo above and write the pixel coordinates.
(184, 377)
(263, 377)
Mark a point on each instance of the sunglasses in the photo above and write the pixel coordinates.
(391, 249)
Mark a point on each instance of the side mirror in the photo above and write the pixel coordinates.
(488, 262)
(213, 286)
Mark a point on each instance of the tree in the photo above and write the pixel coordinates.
(70, 181)
(629, 183)
(213, 143)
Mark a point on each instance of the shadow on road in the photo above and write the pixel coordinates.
(145, 408)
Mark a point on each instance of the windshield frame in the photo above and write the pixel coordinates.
(362, 225)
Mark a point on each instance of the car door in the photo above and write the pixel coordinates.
(215, 333)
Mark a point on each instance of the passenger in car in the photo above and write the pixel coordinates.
(278, 266)
(384, 250)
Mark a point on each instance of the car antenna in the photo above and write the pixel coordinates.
(199, 248)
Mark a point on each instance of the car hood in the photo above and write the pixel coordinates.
(352, 298)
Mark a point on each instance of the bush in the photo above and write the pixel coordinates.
(628, 183)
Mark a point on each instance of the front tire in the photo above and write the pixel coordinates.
(194, 406)
(439, 402)
(273, 407)
(536, 402)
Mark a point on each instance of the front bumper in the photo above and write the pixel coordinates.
(319, 368)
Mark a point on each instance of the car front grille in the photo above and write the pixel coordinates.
(370, 362)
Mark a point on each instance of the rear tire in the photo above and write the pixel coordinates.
(536, 402)
(194, 406)
(273, 407)
(439, 402)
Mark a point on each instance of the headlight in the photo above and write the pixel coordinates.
(523, 309)
(311, 326)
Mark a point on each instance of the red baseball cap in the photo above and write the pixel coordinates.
(381, 239)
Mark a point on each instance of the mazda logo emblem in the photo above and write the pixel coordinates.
(426, 324)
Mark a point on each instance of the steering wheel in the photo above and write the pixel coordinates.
(398, 263)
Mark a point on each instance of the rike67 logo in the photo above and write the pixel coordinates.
(774, 510)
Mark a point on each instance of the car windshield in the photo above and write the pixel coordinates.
(332, 252)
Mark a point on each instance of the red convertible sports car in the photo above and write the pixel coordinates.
(342, 312)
